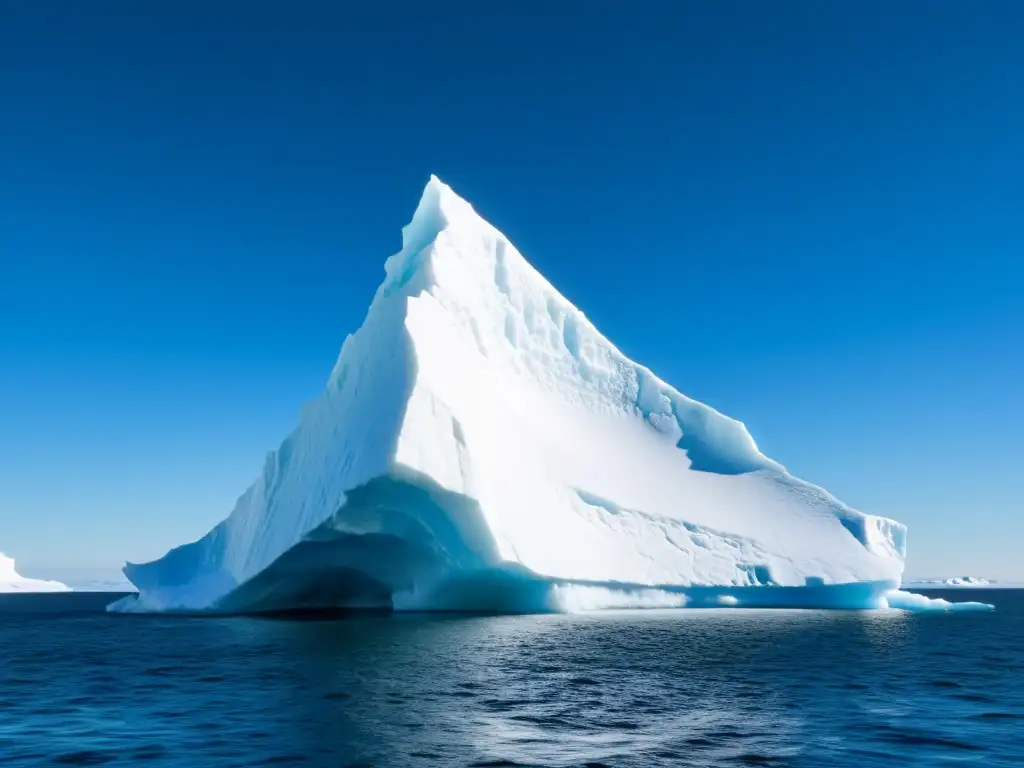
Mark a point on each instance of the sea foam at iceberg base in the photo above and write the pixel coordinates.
(480, 445)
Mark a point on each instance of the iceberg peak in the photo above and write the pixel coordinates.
(439, 207)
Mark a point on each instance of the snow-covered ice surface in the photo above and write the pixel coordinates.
(12, 581)
(480, 445)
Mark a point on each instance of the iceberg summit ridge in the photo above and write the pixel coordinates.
(481, 445)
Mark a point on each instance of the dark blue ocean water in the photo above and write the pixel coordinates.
(672, 688)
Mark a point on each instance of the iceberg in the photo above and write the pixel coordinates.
(12, 581)
(480, 445)
(954, 581)
(967, 581)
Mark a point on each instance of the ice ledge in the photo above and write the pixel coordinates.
(910, 601)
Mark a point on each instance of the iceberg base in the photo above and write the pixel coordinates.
(515, 590)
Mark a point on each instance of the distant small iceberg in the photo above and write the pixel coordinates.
(955, 581)
(102, 585)
(967, 581)
(93, 579)
(12, 581)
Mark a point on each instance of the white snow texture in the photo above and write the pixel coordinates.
(12, 581)
(480, 445)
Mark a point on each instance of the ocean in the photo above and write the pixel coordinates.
(624, 688)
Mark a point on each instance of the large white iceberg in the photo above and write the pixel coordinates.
(480, 445)
(12, 581)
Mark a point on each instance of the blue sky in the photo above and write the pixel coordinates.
(807, 214)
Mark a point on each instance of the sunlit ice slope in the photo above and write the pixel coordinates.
(481, 445)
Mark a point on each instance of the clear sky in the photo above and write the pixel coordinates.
(807, 214)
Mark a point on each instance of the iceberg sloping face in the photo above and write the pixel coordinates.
(480, 444)
(12, 581)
